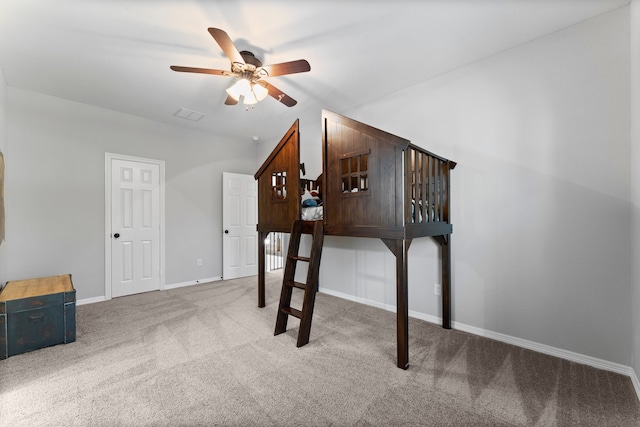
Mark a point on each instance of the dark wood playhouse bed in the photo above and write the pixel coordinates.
(373, 184)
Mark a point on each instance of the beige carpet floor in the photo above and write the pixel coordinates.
(206, 355)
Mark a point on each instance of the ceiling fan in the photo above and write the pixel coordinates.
(250, 72)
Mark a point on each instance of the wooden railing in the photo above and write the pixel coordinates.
(426, 186)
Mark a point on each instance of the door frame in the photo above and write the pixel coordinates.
(108, 158)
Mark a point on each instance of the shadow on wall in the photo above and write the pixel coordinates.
(539, 252)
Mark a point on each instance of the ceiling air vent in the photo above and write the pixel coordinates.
(183, 113)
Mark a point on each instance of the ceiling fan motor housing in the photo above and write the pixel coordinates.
(250, 58)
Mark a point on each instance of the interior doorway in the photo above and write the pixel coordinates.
(134, 225)
(239, 222)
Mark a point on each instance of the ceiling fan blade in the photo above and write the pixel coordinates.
(280, 96)
(230, 100)
(227, 45)
(292, 67)
(200, 70)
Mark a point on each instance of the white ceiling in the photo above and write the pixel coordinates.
(116, 54)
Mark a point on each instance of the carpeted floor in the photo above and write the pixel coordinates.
(206, 355)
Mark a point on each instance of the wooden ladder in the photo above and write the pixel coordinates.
(310, 288)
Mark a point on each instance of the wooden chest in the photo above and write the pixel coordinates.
(37, 313)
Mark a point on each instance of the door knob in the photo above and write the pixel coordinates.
(226, 231)
(116, 235)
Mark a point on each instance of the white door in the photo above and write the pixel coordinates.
(239, 221)
(135, 227)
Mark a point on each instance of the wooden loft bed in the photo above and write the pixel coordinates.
(374, 184)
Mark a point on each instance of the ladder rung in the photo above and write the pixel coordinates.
(294, 284)
(300, 258)
(292, 311)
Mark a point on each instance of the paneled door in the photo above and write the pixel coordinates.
(135, 234)
(239, 221)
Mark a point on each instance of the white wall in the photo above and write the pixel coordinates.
(56, 180)
(635, 177)
(540, 204)
(310, 121)
(3, 148)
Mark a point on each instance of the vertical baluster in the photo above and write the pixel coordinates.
(415, 172)
(434, 174)
(418, 196)
(434, 188)
(414, 190)
(423, 190)
(407, 187)
(418, 189)
(436, 171)
(442, 189)
(428, 192)
(270, 252)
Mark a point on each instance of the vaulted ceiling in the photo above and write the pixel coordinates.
(116, 54)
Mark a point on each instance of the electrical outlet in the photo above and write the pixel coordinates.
(199, 262)
(437, 289)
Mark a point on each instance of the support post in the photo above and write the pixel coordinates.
(446, 282)
(262, 235)
(402, 301)
(445, 255)
(400, 248)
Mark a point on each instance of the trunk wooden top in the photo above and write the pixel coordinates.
(18, 289)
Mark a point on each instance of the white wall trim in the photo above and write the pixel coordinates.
(90, 300)
(108, 157)
(192, 282)
(167, 287)
(546, 349)
(635, 382)
(519, 342)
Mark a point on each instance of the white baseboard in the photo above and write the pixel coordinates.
(90, 300)
(546, 349)
(192, 282)
(166, 287)
(541, 348)
(636, 383)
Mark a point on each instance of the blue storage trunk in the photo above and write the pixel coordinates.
(36, 313)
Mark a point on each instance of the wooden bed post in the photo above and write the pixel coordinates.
(400, 248)
(445, 246)
(402, 301)
(446, 282)
(262, 235)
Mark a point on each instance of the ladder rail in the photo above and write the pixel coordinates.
(310, 287)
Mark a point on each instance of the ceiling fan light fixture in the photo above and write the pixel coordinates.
(250, 99)
(252, 93)
(260, 91)
(241, 88)
(233, 92)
